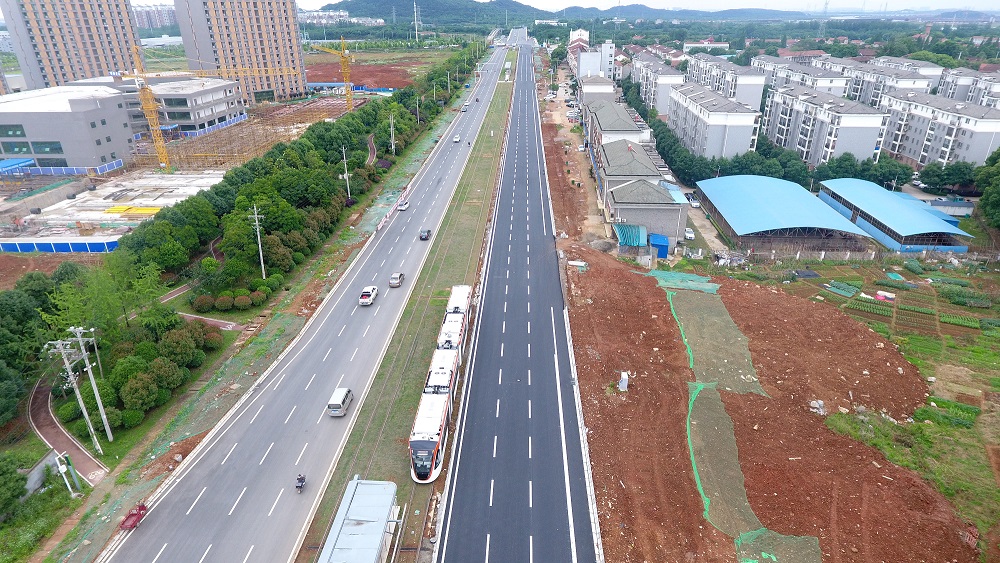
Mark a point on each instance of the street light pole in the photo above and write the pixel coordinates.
(347, 176)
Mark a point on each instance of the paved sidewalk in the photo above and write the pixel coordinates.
(52, 433)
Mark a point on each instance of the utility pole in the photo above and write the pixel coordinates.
(83, 342)
(416, 21)
(70, 357)
(448, 73)
(392, 133)
(260, 249)
(346, 175)
(418, 111)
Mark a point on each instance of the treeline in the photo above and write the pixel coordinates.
(298, 191)
(767, 160)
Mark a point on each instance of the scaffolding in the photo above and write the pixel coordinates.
(266, 125)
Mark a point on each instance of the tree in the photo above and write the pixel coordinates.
(933, 175)
(12, 484)
(126, 369)
(166, 373)
(177, 346)
(959, 174)
(38, 286)
(67, 272)
(11, 391)
(139, 393)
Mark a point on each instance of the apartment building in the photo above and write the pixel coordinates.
(655, 79)
(59, 42)
(593, 88)
(972, 86)
(923, 68)
(740, 83)
(925, 128)
(709, 124)
(821, 126)
(76, 126)
(258, 40)
(869, 82)
(156, 16)
(783, 72)
(598, 61)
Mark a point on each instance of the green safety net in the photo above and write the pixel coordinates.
(681, 280)
(719, 355)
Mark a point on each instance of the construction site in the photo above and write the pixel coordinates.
(38, 212)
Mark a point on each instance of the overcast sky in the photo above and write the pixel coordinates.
(807, 5)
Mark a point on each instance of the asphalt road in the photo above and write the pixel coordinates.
(234, 500)
(516, 490)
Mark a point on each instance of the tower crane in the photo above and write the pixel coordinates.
(345, 68)
(150, 107)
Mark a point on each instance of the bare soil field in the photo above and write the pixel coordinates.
(375, 70)
(13, 266)
(801, 478)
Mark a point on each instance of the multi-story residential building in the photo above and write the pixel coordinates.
(923, 68)
(710, 125)
(870, 82)
(152, 17)
(655, 80)
(706, 44)
(76, 126)
(593, 88)
(926, 128)
(967, 85)
(740, 83)
(820, 126)
(783, 72)
(608, 121)
(986, 90)
(258, 39)
(599, 61)
(6, 43)
(59, 42)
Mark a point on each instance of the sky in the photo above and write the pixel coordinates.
(713, 5)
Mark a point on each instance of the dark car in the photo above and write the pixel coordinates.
(425, 234)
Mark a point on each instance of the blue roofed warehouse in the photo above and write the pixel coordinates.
(895, 223)
(767, 213)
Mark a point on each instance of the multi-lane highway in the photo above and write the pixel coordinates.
(516, 488)
(234, 500)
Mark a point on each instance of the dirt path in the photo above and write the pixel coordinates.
(52, 433)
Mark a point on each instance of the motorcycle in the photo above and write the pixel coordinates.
(299, 483)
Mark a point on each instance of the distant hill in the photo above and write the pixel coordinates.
(637, 11)
(443, 11)
(497, 11)
(964, 15)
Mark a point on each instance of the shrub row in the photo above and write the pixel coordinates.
(915, 309)
(866, 307)
(959, 320)
(892, 283)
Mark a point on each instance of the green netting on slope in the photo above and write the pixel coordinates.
(714, 456)
(763, 545)
(715, 460)
(719, 351)
(680, 280)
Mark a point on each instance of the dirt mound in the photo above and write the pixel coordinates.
(167, 461)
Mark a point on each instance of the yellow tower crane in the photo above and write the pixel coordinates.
(150, 107)
(345, 68)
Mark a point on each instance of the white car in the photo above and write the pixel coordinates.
(368, 295)
(457, 138)
(403, 205)
(581, 148)
(689, 234)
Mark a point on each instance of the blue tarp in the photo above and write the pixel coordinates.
(630, 235)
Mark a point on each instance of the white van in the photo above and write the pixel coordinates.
(339, 401)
